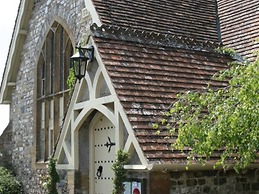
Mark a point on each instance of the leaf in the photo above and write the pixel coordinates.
(225, 119)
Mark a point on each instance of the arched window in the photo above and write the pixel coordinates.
(52, 90)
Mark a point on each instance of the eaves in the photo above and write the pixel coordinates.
(15, 49)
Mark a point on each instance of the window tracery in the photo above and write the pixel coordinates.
(52, 91)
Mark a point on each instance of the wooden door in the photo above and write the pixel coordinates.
(104, 155)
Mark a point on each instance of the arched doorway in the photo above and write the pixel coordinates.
(102, 155)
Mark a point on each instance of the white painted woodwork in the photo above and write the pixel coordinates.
(91, 9)
(89, 96)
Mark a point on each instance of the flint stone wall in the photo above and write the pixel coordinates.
(22, 106)
(205, 182)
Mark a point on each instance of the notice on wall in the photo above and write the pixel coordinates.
(136, 187)
(133, 187)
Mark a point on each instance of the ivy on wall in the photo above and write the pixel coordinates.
(71, 80)
(51, 179)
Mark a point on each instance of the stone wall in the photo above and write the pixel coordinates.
(205, 182)
(6, 146)
(21, 149)
(22, 106)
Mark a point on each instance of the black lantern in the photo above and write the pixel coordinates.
(79, 61)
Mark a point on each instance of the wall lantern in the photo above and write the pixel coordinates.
(79, 60)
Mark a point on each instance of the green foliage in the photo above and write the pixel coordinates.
(53, 177)
(8, 183)
(225, 120)
(120, 172)
(71, 80)
(226, 51)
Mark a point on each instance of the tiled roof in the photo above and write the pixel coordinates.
(239, 23)
(147, 77)
(195, 19)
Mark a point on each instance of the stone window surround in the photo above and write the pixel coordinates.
(55, 96)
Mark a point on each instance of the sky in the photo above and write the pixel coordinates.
(8, 13)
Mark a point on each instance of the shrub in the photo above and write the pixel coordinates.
(120, 172)
(8, 182)
(53, 177)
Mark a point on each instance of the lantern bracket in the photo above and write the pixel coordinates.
(89, 50)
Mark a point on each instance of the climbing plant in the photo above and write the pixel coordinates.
(71, 80)
(226, 50)
(120, 172)
(52, 178)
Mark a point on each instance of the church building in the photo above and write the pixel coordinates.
(139, 56)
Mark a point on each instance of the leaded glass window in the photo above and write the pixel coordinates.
(52, 91)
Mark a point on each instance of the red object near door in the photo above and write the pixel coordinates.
(136, 191)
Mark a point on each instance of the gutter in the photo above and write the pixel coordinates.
(179, 167)
(171, 167)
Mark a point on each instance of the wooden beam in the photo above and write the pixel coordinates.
(23, 32)
(11, 84)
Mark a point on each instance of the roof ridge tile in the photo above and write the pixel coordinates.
(153, 38)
